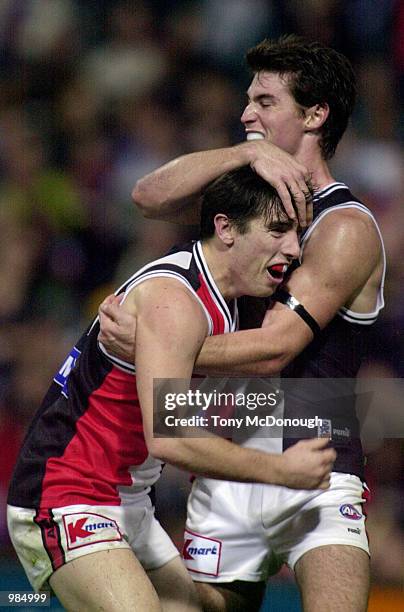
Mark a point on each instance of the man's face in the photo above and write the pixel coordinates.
(272, 112)
(262, 255)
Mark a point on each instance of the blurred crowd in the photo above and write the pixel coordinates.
(93, 95)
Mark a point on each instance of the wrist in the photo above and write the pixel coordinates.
(277, 470)
(274, 470)
(245, 152)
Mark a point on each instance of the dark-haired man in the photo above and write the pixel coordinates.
(80, 514)
(299, 102)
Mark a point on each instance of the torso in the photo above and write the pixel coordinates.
(86, 444)
(337, 353)
(334, 356)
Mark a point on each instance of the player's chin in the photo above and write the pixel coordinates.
(264, 292)
(266, 287)
(271, 285)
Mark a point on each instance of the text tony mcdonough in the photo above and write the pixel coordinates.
(238, 422)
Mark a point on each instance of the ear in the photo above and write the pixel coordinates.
(223, 229)
(316, 116)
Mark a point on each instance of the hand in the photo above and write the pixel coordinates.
(308, 464)
(118, 328)
(288, 176)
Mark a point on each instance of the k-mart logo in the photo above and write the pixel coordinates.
(82, 529)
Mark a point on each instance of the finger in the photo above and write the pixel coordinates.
(103, 334)
(330, 453)
(325, 484)
(285, 196)
(306, 186)
(317, 443)
(109, 299)
(109, 328)
(102, 338)
(102, 312)
(113, 299)
(106, 317)
(112, 310)
(309, 211)
(299, 198)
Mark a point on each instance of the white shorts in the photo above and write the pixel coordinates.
(47, 539)
(239, 531)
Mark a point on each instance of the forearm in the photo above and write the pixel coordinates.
(219, 458)
(174, 187)
(245, 353)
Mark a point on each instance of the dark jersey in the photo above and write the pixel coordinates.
(86, 443)
(334, 358)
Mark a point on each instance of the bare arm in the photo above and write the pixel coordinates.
(339, 258)
(172, 191)
(166, 346)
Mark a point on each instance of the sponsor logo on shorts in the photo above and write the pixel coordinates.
(350, 512)
(357, 530)
(342, 433)
(325, 429)
(83, 529)
(201, 554)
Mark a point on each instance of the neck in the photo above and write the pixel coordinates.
(316, 165)
(219, 268)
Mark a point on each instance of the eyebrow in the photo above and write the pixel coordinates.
(262, 96)
(281, 226)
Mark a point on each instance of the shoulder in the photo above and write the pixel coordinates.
(162, 293)
(170, 316)
(345, 230)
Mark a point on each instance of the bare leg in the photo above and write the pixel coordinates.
(233, 596)
(109, 580)
(175, 588)
(334, 578)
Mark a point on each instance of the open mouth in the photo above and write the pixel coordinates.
(277, 271)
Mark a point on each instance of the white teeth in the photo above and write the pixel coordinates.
(255, 136)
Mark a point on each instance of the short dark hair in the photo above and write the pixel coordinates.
(241, 195)
(316, 75)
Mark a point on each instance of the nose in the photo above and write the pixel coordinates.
(249, 114)
(290, 245)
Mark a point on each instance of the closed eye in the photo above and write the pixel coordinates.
(279, 228)
(266, 100)
(263, 100)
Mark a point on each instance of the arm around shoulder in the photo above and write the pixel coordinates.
(340, 256)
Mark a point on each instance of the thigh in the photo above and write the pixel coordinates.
(174, 587)
(110, 580)
(334, 578)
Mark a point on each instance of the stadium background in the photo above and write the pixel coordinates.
(95, 94)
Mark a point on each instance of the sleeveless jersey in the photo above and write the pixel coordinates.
(335, 354)
(86, 443)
